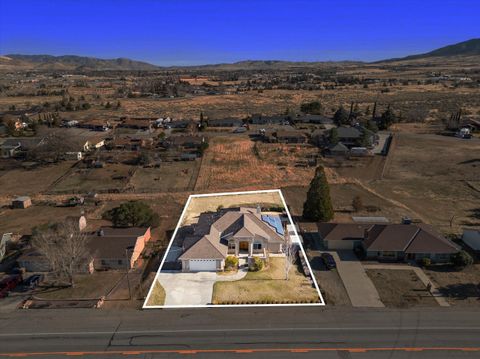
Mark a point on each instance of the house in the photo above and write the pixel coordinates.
(259, 119)
(21, 202)
(397, 242)
(109, 248)
(471, 237)
(137, 124)
(337, 150)
(117, 248)
(313, 119)
(290, 137)
(178, 124)
(353, 136)
(242, 232)
(9, 147)
(95, 125)
(225, 122)
(185, 142)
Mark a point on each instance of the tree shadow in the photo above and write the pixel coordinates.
(461, 291)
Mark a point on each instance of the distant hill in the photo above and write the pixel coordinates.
(465, 48)
(70, 62)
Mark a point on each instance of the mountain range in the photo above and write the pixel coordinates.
(17, 62)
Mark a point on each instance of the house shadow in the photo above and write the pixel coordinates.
(317, 264)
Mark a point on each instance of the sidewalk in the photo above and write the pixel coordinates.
(420, 274)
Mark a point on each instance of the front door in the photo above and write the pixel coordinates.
(244, 246)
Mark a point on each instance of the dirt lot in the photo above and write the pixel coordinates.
(234, 163)
(29, 182)
(171, 176)
(199, 205)
(431, 171)
(461, 287)
(87, 286)
(267, 286)
(23, 220)
(82, 180)
(400, 288)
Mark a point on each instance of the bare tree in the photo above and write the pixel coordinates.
(65, 248)
(290, 251)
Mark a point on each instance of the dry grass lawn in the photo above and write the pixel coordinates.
(400, 288)
(87, 286)
(199, 205)
(236, 163)
(157, 297)
(267, 286)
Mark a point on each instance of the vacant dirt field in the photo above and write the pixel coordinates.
(23, 220)
(267, 286)
(170, 176)
(82, 180)
(199, 205)
(461, 287)
(435, 172)
(232, 163)
(400, 288)
(29, 182)
(87, 286)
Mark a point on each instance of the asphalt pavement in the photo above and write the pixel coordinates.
(309, 332)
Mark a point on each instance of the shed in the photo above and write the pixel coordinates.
(22, 202)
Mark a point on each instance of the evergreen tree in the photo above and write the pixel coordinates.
(341, 116)
(318, 206)
(387, 119)
(333, 138)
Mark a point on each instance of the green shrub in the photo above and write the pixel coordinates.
(231, 263)
(257, 264)
(425, 262)
(462, 259)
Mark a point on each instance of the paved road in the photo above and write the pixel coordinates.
(254, 332)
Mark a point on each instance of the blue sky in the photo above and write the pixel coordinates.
(186, 32)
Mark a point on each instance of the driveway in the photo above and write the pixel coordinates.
(188, 289)
(360, 289)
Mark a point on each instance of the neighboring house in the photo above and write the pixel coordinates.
(314, 119)
(225, 122)
(178, 124)
(9, 147)
(471, 237)
(95, 125)
(351, 136)
(22, 202)
(395, 242)
(338, 150)
(137, 124)
(109, 248)
(290, 137)
(117, 248)
(243, 232)
(184, 142)
(268, 120)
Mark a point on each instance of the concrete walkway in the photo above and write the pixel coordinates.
(360, 289)
(420, 274)
(189, 289)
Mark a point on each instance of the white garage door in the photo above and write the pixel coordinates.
(197, 265)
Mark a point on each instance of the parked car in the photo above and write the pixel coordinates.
(9, 283)
(32, 281)
(329, 261)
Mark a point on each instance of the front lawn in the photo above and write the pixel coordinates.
(157, 297)
(266, 287)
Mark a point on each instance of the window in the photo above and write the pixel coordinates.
(231, 245)
(104, 262)
(257, 245)
(120, 262)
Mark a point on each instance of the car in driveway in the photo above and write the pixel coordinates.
(32, 281)
(328, 260)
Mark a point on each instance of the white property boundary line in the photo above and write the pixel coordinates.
(321, 303)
